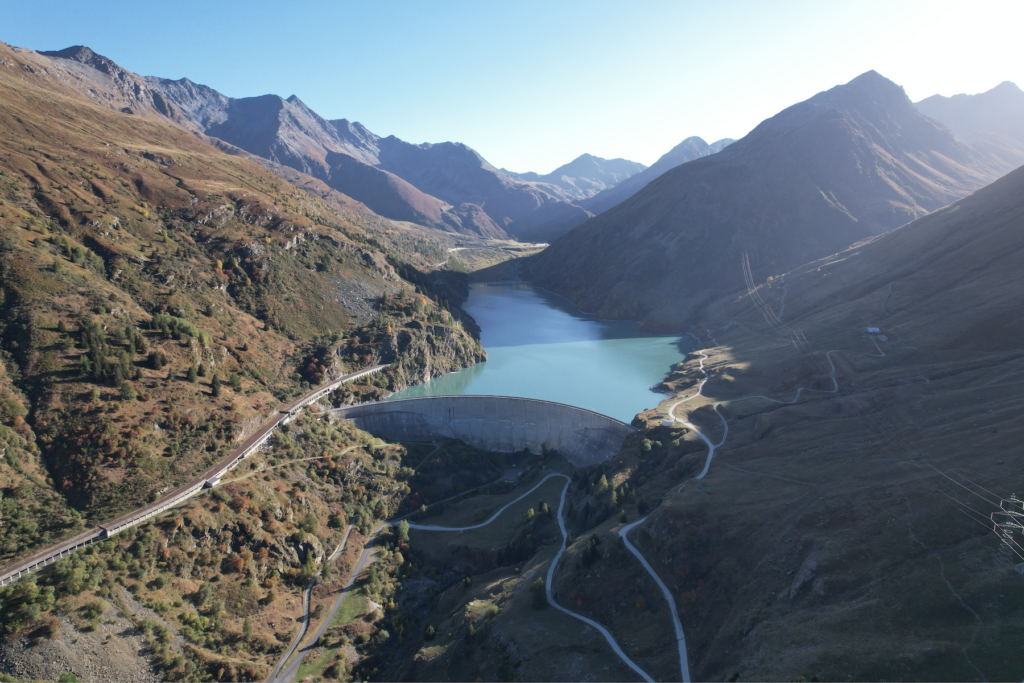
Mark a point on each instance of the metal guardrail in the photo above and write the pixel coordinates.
(251, 445)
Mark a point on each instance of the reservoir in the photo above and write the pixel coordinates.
(539, 345)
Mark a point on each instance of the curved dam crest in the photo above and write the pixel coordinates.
(504, 424)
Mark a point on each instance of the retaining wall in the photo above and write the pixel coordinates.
(504, 424)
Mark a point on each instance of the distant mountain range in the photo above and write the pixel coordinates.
(448, 186)
(583, 177)
(689, 149)
(846, 164)
(992, 121)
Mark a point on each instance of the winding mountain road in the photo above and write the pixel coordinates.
(683, 659)
(426, 527)
(284, 675)
(551, 570)
(590, 622)
(684, 664)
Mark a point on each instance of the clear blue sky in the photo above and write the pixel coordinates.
(532, 85)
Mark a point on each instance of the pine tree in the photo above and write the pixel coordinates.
(192, 374)
(202, 370)
(215, 386)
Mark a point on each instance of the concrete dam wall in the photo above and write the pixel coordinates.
(503, 424)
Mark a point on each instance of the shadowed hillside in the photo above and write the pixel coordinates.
(864, 502)
(992, 121)
(844, 165)
(689, 149)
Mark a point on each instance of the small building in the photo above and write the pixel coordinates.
(210, 483)
(873, 330)
(668, 422)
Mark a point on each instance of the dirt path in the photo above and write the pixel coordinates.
(276, 674)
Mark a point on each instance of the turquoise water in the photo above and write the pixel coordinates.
(541, 346)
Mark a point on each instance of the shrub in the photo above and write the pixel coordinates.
(537, 589)
(127, 391)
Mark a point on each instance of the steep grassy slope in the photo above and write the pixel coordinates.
(141, 268)
(847, 533)
(846, 164)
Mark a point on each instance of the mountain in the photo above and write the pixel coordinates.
(992, 121)
(859, 494)
(583, 177)
(80, 71)
(447, 185)
(131, 251)
(689, 149)
(844, 165)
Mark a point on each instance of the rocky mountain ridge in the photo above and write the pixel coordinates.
(583, 177)
(992, 121)
(689, 149)
(846, 164)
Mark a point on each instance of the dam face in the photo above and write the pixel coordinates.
(503, 424)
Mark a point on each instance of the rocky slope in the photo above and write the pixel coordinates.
(159, 297)
(583, 177)
(447, 185)
(992, 121)
(689, 149)
(844, 165)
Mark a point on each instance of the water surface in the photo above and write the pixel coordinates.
(541, 346)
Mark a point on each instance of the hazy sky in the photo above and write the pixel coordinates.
(531, 85)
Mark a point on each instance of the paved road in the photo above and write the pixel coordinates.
(425, 527)
(683, 660)
(684, 665)
(551, 570)
(725, 425)
(290, 672)
(601, 629)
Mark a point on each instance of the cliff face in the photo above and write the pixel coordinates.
(425, 352)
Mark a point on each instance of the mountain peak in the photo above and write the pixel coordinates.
(78, 53)
(874, 83)
(83, 55)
